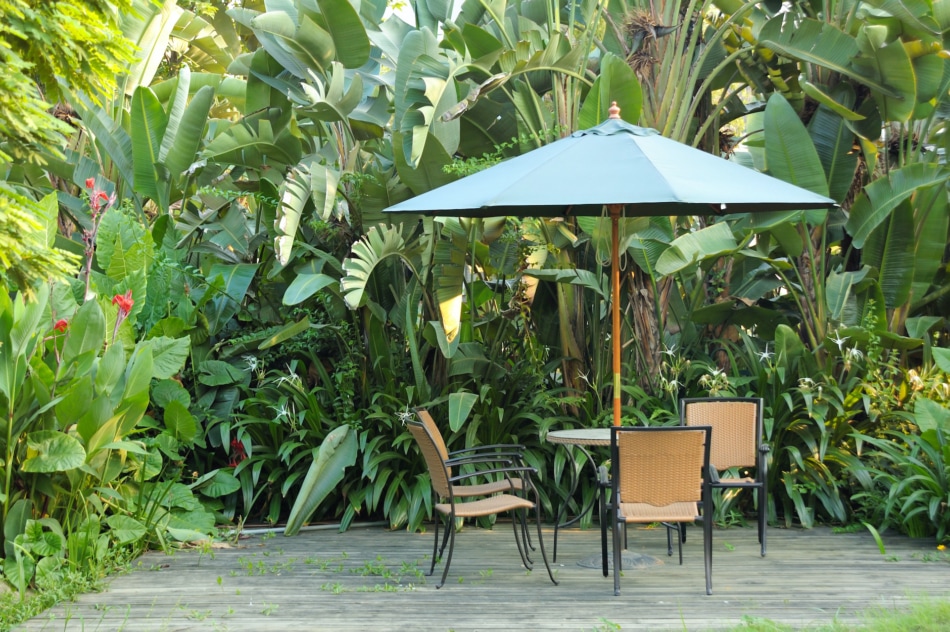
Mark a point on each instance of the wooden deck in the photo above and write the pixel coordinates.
(367, 578)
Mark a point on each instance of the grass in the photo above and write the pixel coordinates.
(16, 608)
(923, 616)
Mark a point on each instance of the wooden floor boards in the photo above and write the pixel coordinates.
(369, 579)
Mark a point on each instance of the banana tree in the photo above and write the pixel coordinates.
(898, 224)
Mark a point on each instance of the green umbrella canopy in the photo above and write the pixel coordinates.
(630, 170)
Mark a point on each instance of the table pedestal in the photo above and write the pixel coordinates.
(580, 438)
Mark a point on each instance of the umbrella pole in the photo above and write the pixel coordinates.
(615, 302)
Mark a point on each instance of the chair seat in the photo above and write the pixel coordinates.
(645, 513)
(485, 506)
(484, 489)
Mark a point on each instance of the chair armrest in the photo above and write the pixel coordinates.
(764, 448)
(507, 448)
(468, 460)
(603, 478)
(498, 470)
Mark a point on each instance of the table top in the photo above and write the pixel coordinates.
(581, 436)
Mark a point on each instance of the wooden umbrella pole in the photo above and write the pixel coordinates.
(615, 302)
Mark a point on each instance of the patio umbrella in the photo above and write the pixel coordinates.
(632, 171)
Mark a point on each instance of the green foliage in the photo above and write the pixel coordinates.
(330, 461)
(45, 46)
(75, 401)
(63, 586)
(26, 257)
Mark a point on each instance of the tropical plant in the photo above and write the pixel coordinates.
(911, 476)
(47, 49)
(74, 400)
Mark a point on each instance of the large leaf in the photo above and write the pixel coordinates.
(221, 484)
(839, 295)
(883, 195)
(148, 25)
(346, 29)
(306, 285)
(930, 415)
(114, 141)
(617, 82)
(932, 221)
(891, 250)
(890, 65)
(182, 151)
(294, 196)
(286, 332)
(335, 454)
(148, 128)
(366, 254)
(942, 359)
(125, 529)
(20, 331)
(168, 355)
(817, 43)
(236, 281)
(87, 332)
(790, 154)
(301, 48)
(687, 250)
(308, 180)
(834, 142)
(180, 423)
(460, 405)
(52, 451)
(253, 143)
(448, 263)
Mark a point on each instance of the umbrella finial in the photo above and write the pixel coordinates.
(613, 111)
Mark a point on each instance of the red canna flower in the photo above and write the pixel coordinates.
(61, 325)
(90, 182)
(238, 454)
(100, 201)
(125, 303)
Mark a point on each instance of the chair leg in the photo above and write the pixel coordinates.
(707, 549)
(435, 544)
(448, 560)
(763, 516)
(544, 555)
(617, 556)
(679, 540)
(669, 540)
(604, 511)
(522, 548)
(525, 531)
(445, 539)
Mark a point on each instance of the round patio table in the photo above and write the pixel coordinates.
(581, 438)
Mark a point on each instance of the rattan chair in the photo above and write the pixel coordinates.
(658, 474)
(507, 453)
(444, 488)
(736, 445)
(512, 452)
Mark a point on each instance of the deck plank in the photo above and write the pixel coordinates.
(367, 578)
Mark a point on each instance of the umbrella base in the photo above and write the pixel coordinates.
(628, 561)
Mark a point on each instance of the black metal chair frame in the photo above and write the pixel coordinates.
(505, 454)
(610, 512)
(761, 464)
(442, 487)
